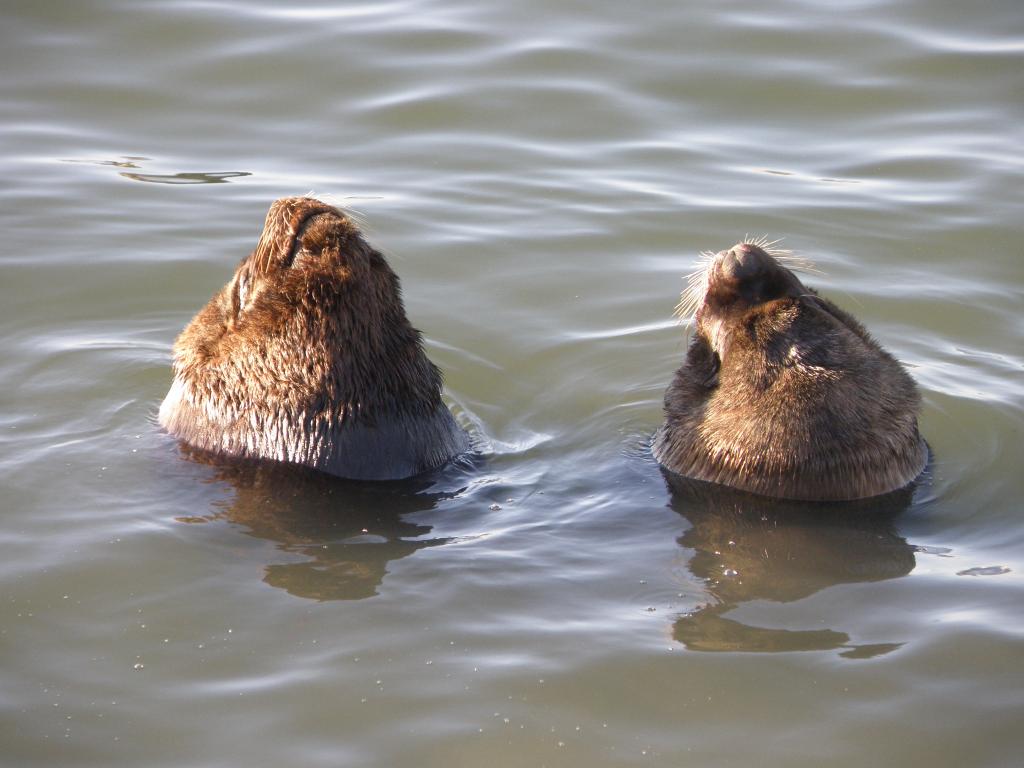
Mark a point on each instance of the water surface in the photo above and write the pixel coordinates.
(541, 175)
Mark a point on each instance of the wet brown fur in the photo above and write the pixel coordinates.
(307, 356)
(783, 394)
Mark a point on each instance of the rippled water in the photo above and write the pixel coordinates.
(541, 175)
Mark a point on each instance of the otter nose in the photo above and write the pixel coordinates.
(741, 262)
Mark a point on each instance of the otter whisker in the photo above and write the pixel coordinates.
(357, 216)
(795, 263)
(693, 293)
(696, 287)
(784, 256)
(766, 245)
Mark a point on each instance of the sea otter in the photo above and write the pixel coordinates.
(782, 393)
(306, 356)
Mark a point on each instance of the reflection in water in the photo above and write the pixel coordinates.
(133, 161)
(751, 548)
(127, 161)
(347, 531)
(186, 178)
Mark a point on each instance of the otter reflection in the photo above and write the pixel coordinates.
(748, 547)
(347, 532)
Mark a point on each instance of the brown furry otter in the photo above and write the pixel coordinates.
(784, 394)
(306, 356)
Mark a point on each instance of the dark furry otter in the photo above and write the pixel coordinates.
(784, 394)
(306, 356)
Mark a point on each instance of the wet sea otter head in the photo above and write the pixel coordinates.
(307, 356)
(782, 393)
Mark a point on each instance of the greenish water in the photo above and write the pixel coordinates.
(540, 175)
